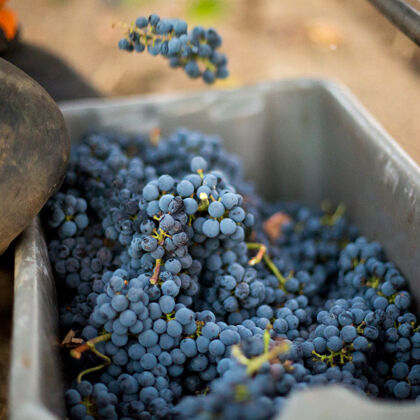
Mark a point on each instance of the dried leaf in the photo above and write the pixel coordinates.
(324, 35)
(272, 226)
(70, 340)
(155, 136)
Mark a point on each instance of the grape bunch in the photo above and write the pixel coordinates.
(194, 51)
(67, 215)
(187, 295)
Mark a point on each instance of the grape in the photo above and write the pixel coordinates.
(124, 44)
(211, 228)
(148, 361)
(320, 344)
(67, 229)
(173, 266)
(401, 390)
(149, 244)
(217, 348)
(331, 331)
(361, 344)
(165, 182)
(148, 338)
(174, 328)
(400, 370)
(163, 27)
(229, 337)
(334, 344)
(190, 205)
(192, 69)
(148, 394)
(216, 209)
(141, 22)
(128, 318)
(119, 303)
(281, 326)
(229, 200)
(167, 304)
(81, 221)
(72, 397)
(414, 375)
(237, 214)
(184, 316)
(166, 222)
(150, 192)
(185, 188)
(227, 226)
(188, 347)
(198, 163)
(208, 76)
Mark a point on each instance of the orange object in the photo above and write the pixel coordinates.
(8, 21)
(272, 226)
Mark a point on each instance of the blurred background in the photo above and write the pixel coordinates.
(348, 41)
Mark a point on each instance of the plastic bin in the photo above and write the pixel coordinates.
(300, 139)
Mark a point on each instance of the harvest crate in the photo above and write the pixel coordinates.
(300, 139)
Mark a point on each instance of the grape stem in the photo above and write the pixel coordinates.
(90, 345)
(204, 202)
(332, 219)
(262, 249)
(254, 364)
(155, 277)
(262, 254)
(267, 338)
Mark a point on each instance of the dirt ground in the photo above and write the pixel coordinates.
(348, 41)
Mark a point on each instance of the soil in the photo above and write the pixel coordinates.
(348, 41)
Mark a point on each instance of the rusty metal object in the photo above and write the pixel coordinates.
(34, 150)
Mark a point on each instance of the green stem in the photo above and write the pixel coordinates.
(90, 370)
(90, 345)
(266, 340)
(275, 270)
(268, 261)
(254, 364)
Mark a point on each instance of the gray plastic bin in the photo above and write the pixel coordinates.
(300, 139)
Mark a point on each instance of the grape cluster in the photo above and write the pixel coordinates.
(194, 51)
(89, 400)
(67, 214)
(188, 299)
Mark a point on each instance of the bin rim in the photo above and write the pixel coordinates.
(341, 94)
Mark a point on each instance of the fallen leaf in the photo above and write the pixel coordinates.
(71, 340)
(324, 35)
(272, 226)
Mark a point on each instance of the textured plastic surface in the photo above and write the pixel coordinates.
(301, 139)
